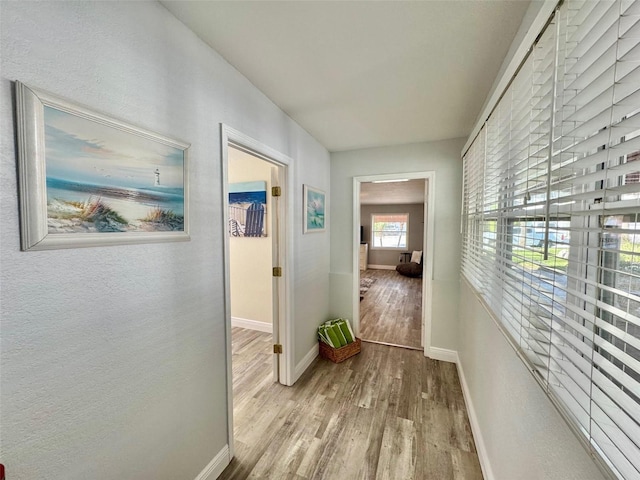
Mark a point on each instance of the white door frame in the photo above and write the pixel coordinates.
(284, 250)
(427, 247)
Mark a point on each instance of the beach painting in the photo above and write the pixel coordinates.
(105, 181)
(314, 210)
(248, 209)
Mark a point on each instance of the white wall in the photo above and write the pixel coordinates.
(524, 436)
(113, 359)
(250, 258)
(443, 158)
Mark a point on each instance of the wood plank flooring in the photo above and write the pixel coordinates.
(391, 311)
(387, 413)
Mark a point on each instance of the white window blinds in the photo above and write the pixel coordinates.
(551, 221)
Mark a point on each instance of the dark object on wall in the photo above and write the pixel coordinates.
(411, 269)
(361, 234)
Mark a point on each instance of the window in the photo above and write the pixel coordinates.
(389, 230)
(551, 221)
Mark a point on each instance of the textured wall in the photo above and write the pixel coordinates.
(416, 231)
(524, 435)
(443, 158)
(113, 359)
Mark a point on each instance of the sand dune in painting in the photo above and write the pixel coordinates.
(83, 208)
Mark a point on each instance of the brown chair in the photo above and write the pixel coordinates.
(410, 269)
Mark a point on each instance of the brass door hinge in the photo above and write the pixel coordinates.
(277, 271)
(276, 191)
(277, 348)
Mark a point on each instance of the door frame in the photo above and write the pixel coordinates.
(282, 325)
(427, 247)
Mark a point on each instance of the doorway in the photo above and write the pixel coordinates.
(257, 207)
(391, 245)
(393, 305)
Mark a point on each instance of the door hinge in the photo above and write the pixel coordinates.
(276, 191)
(277, 271)
(277, 348)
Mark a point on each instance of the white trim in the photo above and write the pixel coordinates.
(284, 363)
(355, 267)
(481, 448)
(252, 324)
(227, 283)
(380, 267)
(306, 361)
(389, 249)
(428, 256)
(443, 354)
(216, 466)
(427, 248)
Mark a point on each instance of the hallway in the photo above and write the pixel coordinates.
(387, 413)
(391, 309)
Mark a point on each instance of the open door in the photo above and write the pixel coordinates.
(279, 270)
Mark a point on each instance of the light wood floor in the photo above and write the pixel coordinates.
(387, 413)
(391, 311)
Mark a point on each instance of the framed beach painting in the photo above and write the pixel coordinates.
(248, 209)
(314, 209)
(87, 179)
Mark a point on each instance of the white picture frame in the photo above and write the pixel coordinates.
(87, 179)
(314, 210)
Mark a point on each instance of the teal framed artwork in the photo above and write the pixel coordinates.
(314, 209)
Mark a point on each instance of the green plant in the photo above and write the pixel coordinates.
(165, 217)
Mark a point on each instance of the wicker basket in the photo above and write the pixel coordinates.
(337, 355)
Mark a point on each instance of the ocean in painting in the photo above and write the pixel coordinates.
(84, 207)
(248, 197)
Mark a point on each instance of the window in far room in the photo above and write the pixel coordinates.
(390, 230)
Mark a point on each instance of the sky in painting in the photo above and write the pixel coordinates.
(257, 186)
(86, 151)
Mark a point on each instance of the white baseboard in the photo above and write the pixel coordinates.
(216, 466)
(305, 362)
(252, 324)
(381, 267)
(481, 449)
(443, 354)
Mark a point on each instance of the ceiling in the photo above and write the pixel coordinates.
(359, 74)
(392, 193)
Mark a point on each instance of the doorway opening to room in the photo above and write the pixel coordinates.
(393, 246)
(256, 203)
(252, 234)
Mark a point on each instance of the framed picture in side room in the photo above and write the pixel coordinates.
(88, 179)
(248, 209)
(314, 209)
